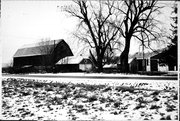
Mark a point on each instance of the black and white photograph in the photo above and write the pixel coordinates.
(89, 60)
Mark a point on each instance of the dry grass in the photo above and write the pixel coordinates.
(29, 99)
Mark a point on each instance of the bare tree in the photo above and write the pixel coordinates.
(138, 23)
(94, 27)
(111, 52)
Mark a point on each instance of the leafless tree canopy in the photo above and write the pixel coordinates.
(140, 19)
(103, 23)
(138, 22)
(94, 27)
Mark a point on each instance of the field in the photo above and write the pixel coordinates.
(30, 99)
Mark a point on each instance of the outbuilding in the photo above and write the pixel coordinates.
(75, 64)
(148, 62)
(46, 53)
(143, 62)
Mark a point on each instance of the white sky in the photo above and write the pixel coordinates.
(26, 22)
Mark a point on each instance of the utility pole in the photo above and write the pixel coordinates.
(54, 58)
(143, 62)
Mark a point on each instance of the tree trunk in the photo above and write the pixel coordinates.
(100, 65)
(124, 68)
(100, 68)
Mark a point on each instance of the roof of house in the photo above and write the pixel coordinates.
(110, 66)
(75, 60)
(41, 48)
(85, 61)
(139, 55)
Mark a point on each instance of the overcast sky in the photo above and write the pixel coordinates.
(26, 22)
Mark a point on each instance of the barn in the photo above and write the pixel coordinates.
(45, 53)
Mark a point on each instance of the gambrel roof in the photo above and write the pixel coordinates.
(41, 48)
(46, 52)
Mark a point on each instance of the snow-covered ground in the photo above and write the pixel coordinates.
(120, 78)
(102, 74)
(39, 99)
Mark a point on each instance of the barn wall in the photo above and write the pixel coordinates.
(62, 50)
(21, 61)
(67, 68)
(31, 56)
(32, 60)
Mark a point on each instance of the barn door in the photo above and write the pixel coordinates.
(154, 65)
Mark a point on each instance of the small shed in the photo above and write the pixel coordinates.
(85, 64)
(75, 63)
(109, 68)
(45, 53)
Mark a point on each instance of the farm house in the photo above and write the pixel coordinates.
(171, 65)
(151, 63)
(136, 63)
(46, 53)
